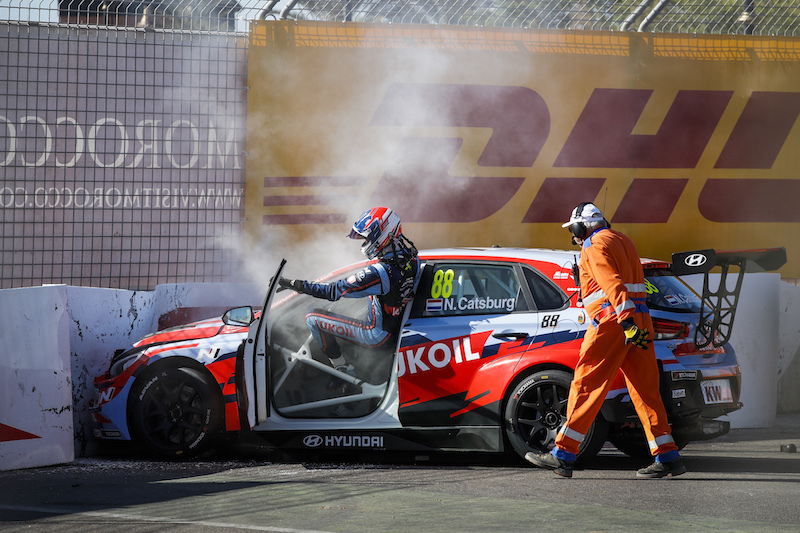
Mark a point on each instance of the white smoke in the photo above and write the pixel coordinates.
(327, 132)
(331, 136)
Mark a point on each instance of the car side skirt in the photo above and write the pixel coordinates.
(429, 439)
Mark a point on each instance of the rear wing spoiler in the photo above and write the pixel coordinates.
(718, 307)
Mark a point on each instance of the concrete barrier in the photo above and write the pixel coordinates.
(102, 321)
(755, 339)
(765, 336)
(35, 378)
(789, 349)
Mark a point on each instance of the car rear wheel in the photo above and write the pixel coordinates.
(537, 408)
(176, 412)
(635, 445)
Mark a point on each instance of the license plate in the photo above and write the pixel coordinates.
(716, 391)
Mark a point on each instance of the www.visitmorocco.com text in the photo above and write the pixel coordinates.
(120, 197)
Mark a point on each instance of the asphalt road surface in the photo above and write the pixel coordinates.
(740, 482)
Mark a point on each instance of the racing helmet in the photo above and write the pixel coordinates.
(378, 227)
(584, 214)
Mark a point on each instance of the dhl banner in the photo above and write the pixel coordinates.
(480, 136)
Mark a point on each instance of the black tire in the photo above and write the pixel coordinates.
(631, 446)
(635, 445)
(176, 413)
(537, 408)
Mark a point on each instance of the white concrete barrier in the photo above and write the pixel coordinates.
(35, 384)
(789, 349)
(755, 340)
(101, 321)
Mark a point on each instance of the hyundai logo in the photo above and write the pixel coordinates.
(312, 441)
(695, 260)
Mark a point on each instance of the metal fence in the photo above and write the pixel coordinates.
(122, 121)
(757, 17)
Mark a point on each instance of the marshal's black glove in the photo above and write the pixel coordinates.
(294, 284)
(634, 335)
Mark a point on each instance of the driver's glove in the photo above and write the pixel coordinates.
(634, 335)
(294, 284)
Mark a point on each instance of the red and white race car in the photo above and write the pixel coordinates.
(483, 363)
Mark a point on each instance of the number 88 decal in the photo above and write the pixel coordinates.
(442, 283)
(649, 287)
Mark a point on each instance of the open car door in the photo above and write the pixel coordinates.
(718, 307)
(254, 354)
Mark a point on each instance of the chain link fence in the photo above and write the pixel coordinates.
(743, 17)
(122, 121)
(755, 17)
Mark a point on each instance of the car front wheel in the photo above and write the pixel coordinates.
(537, 408)
(176, 412)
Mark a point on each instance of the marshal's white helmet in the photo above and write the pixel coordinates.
(582, 215)
(585, 212)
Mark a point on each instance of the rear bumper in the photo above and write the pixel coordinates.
(688, 410)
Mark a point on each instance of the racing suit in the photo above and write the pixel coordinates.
(613, 288)
(389, 288)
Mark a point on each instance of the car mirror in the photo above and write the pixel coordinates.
(239, 316)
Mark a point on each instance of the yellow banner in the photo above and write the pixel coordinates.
(481, 137)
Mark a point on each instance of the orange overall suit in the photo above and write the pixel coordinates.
(613, 289)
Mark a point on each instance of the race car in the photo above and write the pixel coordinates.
(483, 363)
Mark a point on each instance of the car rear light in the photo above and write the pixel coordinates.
(669, 329)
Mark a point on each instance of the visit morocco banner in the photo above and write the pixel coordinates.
(480, 136)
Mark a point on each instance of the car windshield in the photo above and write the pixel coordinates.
(667, 292)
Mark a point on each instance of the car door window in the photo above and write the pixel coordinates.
(461, 289)
(546, 295)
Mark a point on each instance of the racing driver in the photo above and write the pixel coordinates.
(388, 283)
(613, 290)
